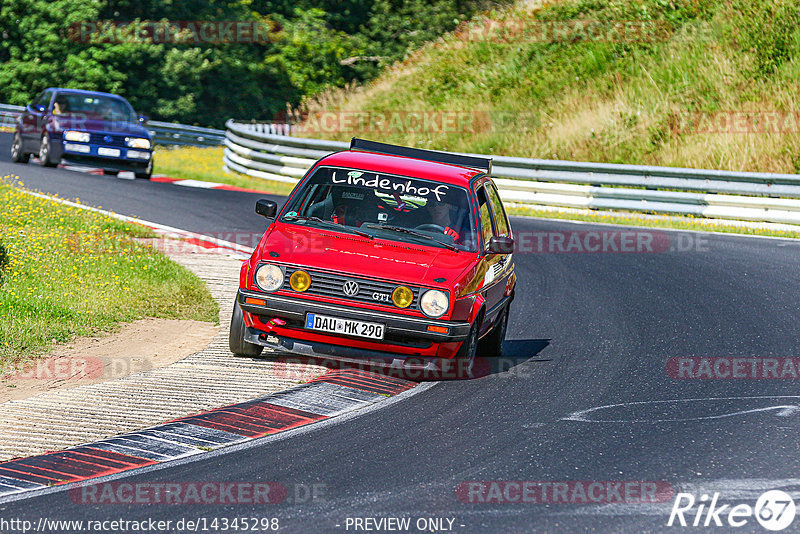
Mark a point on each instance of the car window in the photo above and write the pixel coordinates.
(373, 202)
(486, 217)
(95, 107)
(43, 99)
(500, 219)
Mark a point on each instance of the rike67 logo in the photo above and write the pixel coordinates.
(774, 510)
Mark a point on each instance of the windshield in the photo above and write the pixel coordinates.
(93, 107)
(386, 206)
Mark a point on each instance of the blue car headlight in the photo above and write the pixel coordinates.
(80, 137)
(137, 142)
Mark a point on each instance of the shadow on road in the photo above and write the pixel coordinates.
(515, 353)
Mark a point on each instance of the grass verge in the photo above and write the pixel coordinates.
(67, 272)
(205, 164)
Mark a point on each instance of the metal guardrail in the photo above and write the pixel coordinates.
(744, 196)
(9, 114)
(163, 133)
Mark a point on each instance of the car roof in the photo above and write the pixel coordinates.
(402, 166)
(82, 92)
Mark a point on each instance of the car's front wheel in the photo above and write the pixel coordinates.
(17, 155)
(492, 344)
(465, 358)
(148, 172)
(236, 340)
(45, 152)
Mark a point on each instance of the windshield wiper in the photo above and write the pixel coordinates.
(330, 224)
(412, 232)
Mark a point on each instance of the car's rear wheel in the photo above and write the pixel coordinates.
(236, 340)
(17, 155)
(492, 344)
(45, 152)
(110, 172)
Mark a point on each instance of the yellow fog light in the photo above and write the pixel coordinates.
(402, 297)
(300, 281)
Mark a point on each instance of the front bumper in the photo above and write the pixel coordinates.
(398, 327)
(92, 158)
(430, 367)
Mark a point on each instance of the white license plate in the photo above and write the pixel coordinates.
(112, 152)
(347, 327)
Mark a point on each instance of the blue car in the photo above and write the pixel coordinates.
(84, 128)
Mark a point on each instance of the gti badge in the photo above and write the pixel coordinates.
(350, 288)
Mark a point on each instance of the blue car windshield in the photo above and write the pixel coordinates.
(387, 206)
(93, 107)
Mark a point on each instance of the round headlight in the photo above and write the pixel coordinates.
(434, 303)
(300, 281)
(269, 277)
(402, 297)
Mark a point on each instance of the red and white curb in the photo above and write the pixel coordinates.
(331, 395)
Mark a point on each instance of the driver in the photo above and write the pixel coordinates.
(449, 217)
(353, 206)
(60, 106)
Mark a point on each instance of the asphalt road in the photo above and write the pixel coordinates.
(588, 330)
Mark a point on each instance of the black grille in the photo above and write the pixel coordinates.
(99, 139)
(331, 285)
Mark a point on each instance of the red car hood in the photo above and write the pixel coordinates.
(359, 256)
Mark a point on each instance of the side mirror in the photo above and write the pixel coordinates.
(266, 208)
(143, 119)
(35, 108)
(501, 245)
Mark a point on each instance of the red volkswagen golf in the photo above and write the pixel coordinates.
(393, 256)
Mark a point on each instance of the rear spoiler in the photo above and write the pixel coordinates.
(482, 164)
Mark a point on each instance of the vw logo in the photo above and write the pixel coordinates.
(108, 139)
(350, 288)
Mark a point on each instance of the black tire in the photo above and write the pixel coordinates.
(236, 341)
(45, 157)
(17, 155)
(109, 172)
(465, 358)
(491, 346)
(147, 174)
